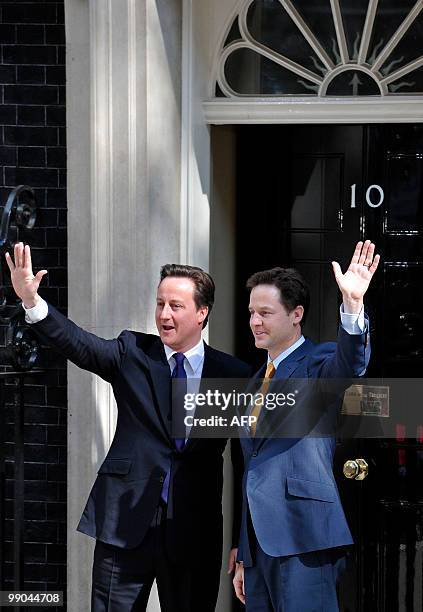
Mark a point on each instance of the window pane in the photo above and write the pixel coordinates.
(234, 33)
(353, 16)
(408, 49)
(318, 17)
(353, 83)
(410, 83)
(390, 15)
(270, 25)
(249, 73)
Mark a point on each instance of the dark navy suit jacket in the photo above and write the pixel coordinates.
(128, 487)
(289, 488)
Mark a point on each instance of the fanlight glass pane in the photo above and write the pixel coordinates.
(270, 25)
(390, 15)
(353, 17)
(234, 33)
(410, 83)
(249, 73)
(318, 17)
(409, 48)
(353, 83)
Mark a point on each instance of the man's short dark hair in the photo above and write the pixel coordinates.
(292, 287)
(204, 284)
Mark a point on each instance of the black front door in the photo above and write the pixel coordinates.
(306, 195)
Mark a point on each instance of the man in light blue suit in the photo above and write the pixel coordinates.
(293, 529)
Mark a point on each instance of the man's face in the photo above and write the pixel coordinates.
(178, 320)
(274, 328)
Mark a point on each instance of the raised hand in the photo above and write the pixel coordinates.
(24, 282)
(356, 280)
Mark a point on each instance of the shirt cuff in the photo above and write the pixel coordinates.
(353, 323)
(37, 313)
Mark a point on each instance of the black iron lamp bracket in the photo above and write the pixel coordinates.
(21, 345)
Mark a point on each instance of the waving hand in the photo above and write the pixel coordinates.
(354, 283)
(24, 282)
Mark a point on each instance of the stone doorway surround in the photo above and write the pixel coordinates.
(124, 182)
(141, 190)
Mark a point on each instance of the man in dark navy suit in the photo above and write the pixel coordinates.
(293, 528)
(156, 506)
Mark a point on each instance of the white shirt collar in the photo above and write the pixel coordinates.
(285, 353)
(194, 357)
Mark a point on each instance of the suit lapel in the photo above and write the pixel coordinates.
(253, 387)
(287, 366)
(161, 382)
(285, 370)
(211, 369)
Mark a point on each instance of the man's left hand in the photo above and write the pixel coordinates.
(356, 280)
(238, 582)
(232, 560)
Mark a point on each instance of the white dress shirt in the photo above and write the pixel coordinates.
(194, 360)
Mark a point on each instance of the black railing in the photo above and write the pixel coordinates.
(20, 353)
(17, 380)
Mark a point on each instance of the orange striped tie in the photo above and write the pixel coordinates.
(258, 404)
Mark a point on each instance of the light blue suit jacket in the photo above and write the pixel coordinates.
(288, 485)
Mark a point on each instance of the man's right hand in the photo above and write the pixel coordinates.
(238, 582)
(24, 282)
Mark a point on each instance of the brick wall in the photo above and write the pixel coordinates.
(33, 151)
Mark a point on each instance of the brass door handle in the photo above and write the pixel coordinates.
(356, 468)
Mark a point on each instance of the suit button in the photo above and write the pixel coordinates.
(161, 479)
(255, 454)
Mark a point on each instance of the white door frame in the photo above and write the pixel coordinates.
(205, 26)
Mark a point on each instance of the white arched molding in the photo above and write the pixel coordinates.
(124, 180)
(226, 21)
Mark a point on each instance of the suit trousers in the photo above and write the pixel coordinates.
(298, 583)
(122, 578)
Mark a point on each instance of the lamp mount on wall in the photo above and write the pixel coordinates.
(18, 217)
